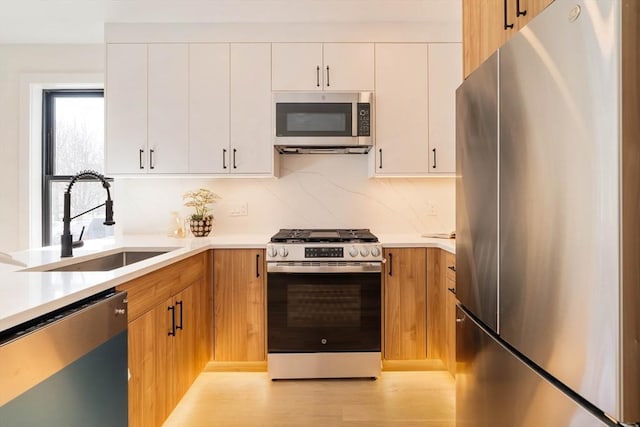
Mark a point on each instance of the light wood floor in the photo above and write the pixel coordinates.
(251, 399)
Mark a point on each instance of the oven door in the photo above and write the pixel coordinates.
(326, 308)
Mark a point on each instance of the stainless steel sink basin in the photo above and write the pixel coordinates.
(109, 262)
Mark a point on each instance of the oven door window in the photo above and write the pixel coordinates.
(314, 119)
(327, 312)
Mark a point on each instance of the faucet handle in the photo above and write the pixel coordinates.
(78, 243)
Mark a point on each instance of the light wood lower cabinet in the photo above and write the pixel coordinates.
(239, 305)
(169, 336)
(449, 288)
(405, 318)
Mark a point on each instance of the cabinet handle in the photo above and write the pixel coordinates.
(518, 11)
(151, 166)
(452, 290)
(452, 268)
(172, 309)
(380, 151)
(328, 83)
(234, 158)
(461, 319)
(435, 159)
(224, 158)
(318, 76)
(390, 264)
(141, 154)
(180, 325)
(506, 26)
(257, 265)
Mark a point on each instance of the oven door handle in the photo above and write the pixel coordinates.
(295, 267)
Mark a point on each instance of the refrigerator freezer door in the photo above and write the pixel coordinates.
(477, 192)
(559, 196)
(494, 388)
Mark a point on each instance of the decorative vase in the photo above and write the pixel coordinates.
(201, 227)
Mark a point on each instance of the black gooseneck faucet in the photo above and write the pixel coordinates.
(66, 239)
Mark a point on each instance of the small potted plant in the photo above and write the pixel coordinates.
(201, 222)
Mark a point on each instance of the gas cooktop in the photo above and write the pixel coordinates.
(361, 235)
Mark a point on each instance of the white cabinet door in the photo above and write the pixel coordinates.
(445, 75)
(209, 108)
(251, 145)
(297, 66)
(168, 108)
(402, 128)
(126, 95)
(348, 67)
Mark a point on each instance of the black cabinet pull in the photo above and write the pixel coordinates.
(318, 76)
(435, 160)
(328, 83)
(506, 25)
(151, 166)
(224, 158)
(172, 309)
(390, 264)
(257, 265)
(180, 325)
(452, 290)
(234, 159)
(452, 268)
(380, 151)
(141, 154)
(518, 11)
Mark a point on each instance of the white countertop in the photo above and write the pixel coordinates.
(25, 295)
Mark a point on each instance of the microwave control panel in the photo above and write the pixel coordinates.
(364, 119)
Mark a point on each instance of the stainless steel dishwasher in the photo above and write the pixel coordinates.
(68, 368)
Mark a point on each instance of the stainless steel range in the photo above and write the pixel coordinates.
(324, 304)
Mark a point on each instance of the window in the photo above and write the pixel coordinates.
(73, 141)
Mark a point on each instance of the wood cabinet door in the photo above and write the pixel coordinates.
(209, 108)
(348, 67)
(445, 75)
(168, 108)
(165, 360)
(251, 143)
(297, 66)
(402, 128)
(142, 360)
(472, 26)
(126, 108)
(184, 344)
(239, 304)
(436, 340)
(405, 277)
(449, 354)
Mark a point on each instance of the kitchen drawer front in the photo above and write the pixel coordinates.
(450, 265)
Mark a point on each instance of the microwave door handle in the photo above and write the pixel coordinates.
(354, 119)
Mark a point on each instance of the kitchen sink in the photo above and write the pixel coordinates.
(106, 262)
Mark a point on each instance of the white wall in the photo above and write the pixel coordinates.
(313, 191)
(16, 61)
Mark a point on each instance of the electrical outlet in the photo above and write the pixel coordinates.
(431, 209)
(239, 209)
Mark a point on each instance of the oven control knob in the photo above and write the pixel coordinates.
(375, 251)
(273, 252)
(284, 252)
(353, 251)
(364, 251)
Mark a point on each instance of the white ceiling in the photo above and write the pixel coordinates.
(82, 21)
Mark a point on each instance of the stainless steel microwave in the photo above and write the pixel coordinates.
(323, 122)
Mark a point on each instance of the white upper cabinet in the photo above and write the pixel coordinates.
(126, 108)
(297, 66)
(209, 108)
(445, 75)
(349, 66)
(415, 109)
(402, 127)
(168, 108)
(251, 146)
(323, 66)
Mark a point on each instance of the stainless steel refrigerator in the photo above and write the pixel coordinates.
(548, 223)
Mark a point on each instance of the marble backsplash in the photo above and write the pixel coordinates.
(313, 191)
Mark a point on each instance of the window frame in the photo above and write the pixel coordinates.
(48, 150)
